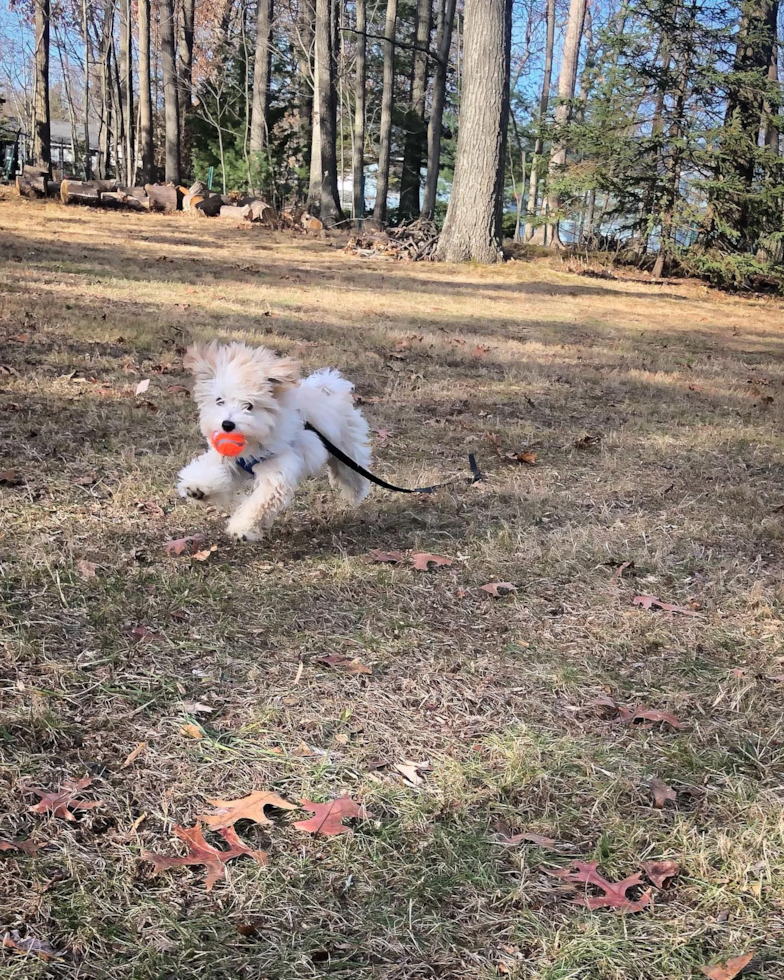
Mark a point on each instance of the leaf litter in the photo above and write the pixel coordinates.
(202, 853)
(328, 818)
(64, 800)
(613, 893)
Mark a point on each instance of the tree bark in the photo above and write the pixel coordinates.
(126, 88)
(330, 209)
(544, 99)
(358, 161)
(387, 102)
(106, 83)
(446, 19)
(42, 150)
(416, 131)
(170, 98)
(259, 119)
(472, 229)
(186, 58)
(86, 42)
(314, 191)
(145, 94)
(305, 77)
(566, 86)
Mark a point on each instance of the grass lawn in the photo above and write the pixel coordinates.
(655, 416)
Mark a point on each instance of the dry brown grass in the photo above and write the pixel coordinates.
(682, 389)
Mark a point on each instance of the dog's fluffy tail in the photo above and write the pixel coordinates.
(342, 423)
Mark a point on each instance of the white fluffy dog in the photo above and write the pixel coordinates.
(251, 392)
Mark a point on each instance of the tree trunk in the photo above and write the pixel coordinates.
(544, 99)
(358, 162)
(86, 119)
(387, 101)
(446, 19)
(411, 178)
(305, 81)
(566, 86)
(42, 150)
(145, 94)
(186, 59)
(259, 119)
(125, 65)
(472, 229)
(331, 212)
(106, 83)
(314, 191)
(170, 100)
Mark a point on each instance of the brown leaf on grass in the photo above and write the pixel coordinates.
(528, 457)
(10, 478)
(177, 389)
(492, 588)
(661, 873)
(480, 350)
(505, 836)
(383, 436)
(422, 560)
(142, 386)
(179, 546)
(644, 717)
(618, 573)
(328, 816)
(354, 666)
(729, 969)
(150, 507)
(587, 442)
(86, 569)
(133, 756)
(200, 852)
(205, 554)
(409, 772)
(661, 793)
(613, 893)
(28, 847)
(29, 946)
(391, 557)
(191, 731)
(61, 803)
(652, 602)
(250, 807)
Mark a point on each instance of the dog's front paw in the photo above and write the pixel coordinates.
(190, 491)
(241, 532)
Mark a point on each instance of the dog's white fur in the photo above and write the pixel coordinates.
(263, 396)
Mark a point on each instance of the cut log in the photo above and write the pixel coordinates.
(53, 188)
(238, 213)
(291, 216)
(136, 192)
(183, 191)
(207, 207)
(163, 197)
(80, 192)
(264, 213)
(105, 185)
(28, 171)
(199, 188)
(32, 187)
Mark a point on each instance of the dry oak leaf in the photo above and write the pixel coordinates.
(505, 836)
(653, 602)
(85, 569)
(492, 588)
(29, 847)
(527, 456)
(28, 946)
(328, 816)
(200, 852)
(61, 803)
(409, 772)
(191, 731)
(422, 560)
(356, 666)
(391, 557)
(142, 386)
(205, 554)
(661, 793)
(10, 478)
(652, 716)
(729, 969)
(613, 893)
(661, 873)
(134, 755)
(250, 807)
(178, 546)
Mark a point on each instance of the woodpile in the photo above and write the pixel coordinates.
(414, 242)
(32, 186)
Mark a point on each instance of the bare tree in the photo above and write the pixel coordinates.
(387, 102)
(446, 19)
(566, 86)
(325, 97)
(472, 229)
(125, 67)
(358, 162)
(410, 178)
(544, 98)
(171, 104)
(259, 120)
(145, 94)
(105, 55)
(42, 149)
(304, 33)
(185, 51)
(86, 42)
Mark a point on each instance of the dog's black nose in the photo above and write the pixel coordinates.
(228, 426)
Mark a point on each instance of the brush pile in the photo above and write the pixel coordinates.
(414, 242)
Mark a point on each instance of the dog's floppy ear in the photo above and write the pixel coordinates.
(200, 360)
(284, 374)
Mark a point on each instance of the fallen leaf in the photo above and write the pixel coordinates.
(177, 389)
(356, 666)
(28, 847)
(179, 546)
(142, 386)
(527, 456)
(618, 573)
(587, 442)
(492, 588)
(508, 839)
(61, 803)
(651, 602)
(10, 478)
(334, 660)
(196, 707)
(480, 350)
(661, 873)
(28, 946)
(150, 507)
(386, 556)
(250, 807)
(86, 569)
(133, 756)
(613, 893)
(729, 969)
(423, 560)
(653, 716)
(383, 436)
(661, 793)
(409, 772)
(191, 731)
(328, 816)
(205, 554)
(200, 852)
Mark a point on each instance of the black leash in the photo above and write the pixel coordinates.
(348, 461)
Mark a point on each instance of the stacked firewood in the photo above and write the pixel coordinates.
(414, 242)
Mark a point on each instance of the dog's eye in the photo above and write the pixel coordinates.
(249, 406)
(218, 401)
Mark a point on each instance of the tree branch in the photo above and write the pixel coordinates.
(397, 44)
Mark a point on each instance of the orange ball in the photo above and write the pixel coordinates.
(228, 443)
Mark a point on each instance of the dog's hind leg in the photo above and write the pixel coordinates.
(354, 441)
